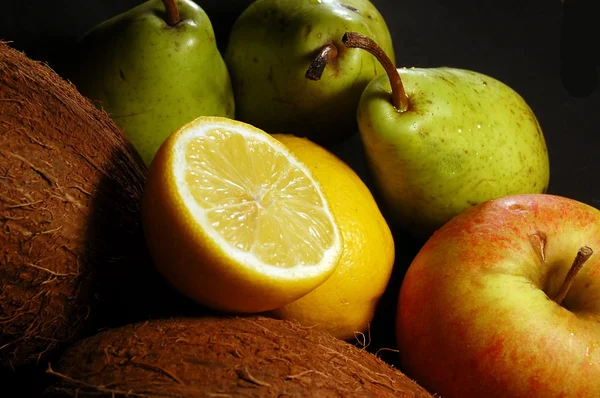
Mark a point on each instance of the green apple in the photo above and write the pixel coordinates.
(152, 69)
(494, 304)
(272, 46)
(441, 140)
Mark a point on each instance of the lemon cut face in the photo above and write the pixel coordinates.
(259, 204)
(250, 226)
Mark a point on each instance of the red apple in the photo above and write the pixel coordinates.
(493, 304)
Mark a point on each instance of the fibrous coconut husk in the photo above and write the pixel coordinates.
(250, 356)
(72, 253)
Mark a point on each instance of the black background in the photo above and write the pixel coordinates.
(544, 49)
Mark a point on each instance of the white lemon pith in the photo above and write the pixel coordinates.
(234, 220)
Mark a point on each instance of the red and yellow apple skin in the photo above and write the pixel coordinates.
(476, 316)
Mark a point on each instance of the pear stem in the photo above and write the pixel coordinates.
(399, 97)
(583, 255)
(172, 12)
(323, 58)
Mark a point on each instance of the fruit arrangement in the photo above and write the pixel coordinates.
(178, 218)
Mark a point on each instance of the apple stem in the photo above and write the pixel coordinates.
(583, 255)
(323, 58)
(172, 12)
(399, 97)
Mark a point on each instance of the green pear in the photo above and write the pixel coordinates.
(154, 68)
(275, 44)
(440, 140)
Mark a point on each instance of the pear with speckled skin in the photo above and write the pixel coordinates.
(152, 75)
(444, 140)
(272, 45)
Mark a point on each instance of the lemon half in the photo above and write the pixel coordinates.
(234, 221)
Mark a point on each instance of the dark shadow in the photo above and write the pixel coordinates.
(579, 54)
(127, 286)
(26, 383)
(223, 15)
(382, 339)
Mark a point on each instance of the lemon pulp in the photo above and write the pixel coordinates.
(262, 207)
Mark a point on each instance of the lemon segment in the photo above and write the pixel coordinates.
(249, 226)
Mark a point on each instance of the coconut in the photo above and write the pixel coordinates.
(250, 356)
(70, 233)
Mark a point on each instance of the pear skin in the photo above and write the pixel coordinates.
(270, 48)
(151, 77)
(465, 138)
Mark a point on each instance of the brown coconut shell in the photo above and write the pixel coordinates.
(71, 243)
(249, 356)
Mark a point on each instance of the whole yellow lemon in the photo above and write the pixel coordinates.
(344, 304)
